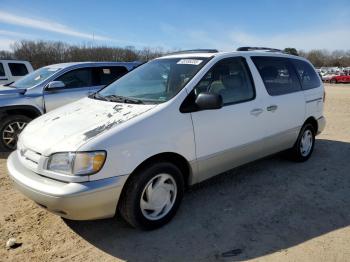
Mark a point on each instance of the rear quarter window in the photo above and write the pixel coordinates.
(278, 75)
(308, 77)
(18, 69)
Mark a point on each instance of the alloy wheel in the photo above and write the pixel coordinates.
(11, 132)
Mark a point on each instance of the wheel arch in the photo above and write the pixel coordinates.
(311, 120)
(174, 158)
(26, 110)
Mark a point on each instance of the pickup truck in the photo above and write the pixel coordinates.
(48, 88)
(12, 70)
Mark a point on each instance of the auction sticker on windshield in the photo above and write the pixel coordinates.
(189, 62)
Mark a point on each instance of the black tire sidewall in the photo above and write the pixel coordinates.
(135, 190)
(299, 157)
(5, 122)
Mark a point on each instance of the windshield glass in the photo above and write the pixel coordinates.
(156, 81)
(34, 78)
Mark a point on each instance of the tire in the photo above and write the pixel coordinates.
(11, 126)
(301, 153)
(333, 81)
(154, 181)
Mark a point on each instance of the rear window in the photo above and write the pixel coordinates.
(278, 74)
(2, 71)
(107, 75)
(308, 77)
(18, 69)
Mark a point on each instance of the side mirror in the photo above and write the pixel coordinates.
(56, 84)
(207, 101)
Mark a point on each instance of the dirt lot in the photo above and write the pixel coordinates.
(270, 210)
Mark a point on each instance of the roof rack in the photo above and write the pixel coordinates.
(268, 49)
(194, 51)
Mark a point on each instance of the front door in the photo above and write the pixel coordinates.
(78, 83)
(232, 135)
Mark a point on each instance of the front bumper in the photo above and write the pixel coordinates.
(76, 201)
(321, 124)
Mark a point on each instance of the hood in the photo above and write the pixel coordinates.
(69, 127)
(6, 90)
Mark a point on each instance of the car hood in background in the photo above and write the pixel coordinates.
(69, 127)
(6, 90)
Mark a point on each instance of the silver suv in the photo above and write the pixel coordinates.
(48, 88)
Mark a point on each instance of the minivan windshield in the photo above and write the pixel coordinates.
(35, 78)
(154, 82)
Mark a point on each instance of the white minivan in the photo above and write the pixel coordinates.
(134, 146)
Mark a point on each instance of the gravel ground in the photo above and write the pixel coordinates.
(270, 210)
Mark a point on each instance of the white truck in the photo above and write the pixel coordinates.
(12, 70)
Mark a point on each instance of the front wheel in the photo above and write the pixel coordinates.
(304, 145)
(152, 196)
(10, 128)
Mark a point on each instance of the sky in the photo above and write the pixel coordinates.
(224, 25)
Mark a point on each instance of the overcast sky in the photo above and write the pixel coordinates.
(224, 25)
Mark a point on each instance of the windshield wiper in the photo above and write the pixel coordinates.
(99, 97)
(123, 99)
(10, 84)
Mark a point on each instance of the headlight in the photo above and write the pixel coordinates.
(77, 163)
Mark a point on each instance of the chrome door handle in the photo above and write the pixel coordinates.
(256, 111)
(272, 108)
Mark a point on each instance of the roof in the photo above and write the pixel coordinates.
(223, 54)
(13, 60)
(65, 65)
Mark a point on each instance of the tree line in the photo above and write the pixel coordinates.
(41, 53)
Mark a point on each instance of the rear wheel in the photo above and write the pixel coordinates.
(152, 196)
(304, 145)
(10, 128)
(333, 81)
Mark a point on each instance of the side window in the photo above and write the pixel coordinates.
(18, 69)
(2, 71)
(229, 78)
(77, 78)
(107, 75)
(308, 77)
(278, 75)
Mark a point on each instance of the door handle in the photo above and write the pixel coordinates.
(272, 108)
(256, 111)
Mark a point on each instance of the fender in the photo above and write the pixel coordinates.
(31, 111)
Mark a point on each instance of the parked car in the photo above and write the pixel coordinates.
(48, 88)
(173, 122)
(328, 76)
(12, 70)
(340, 79)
